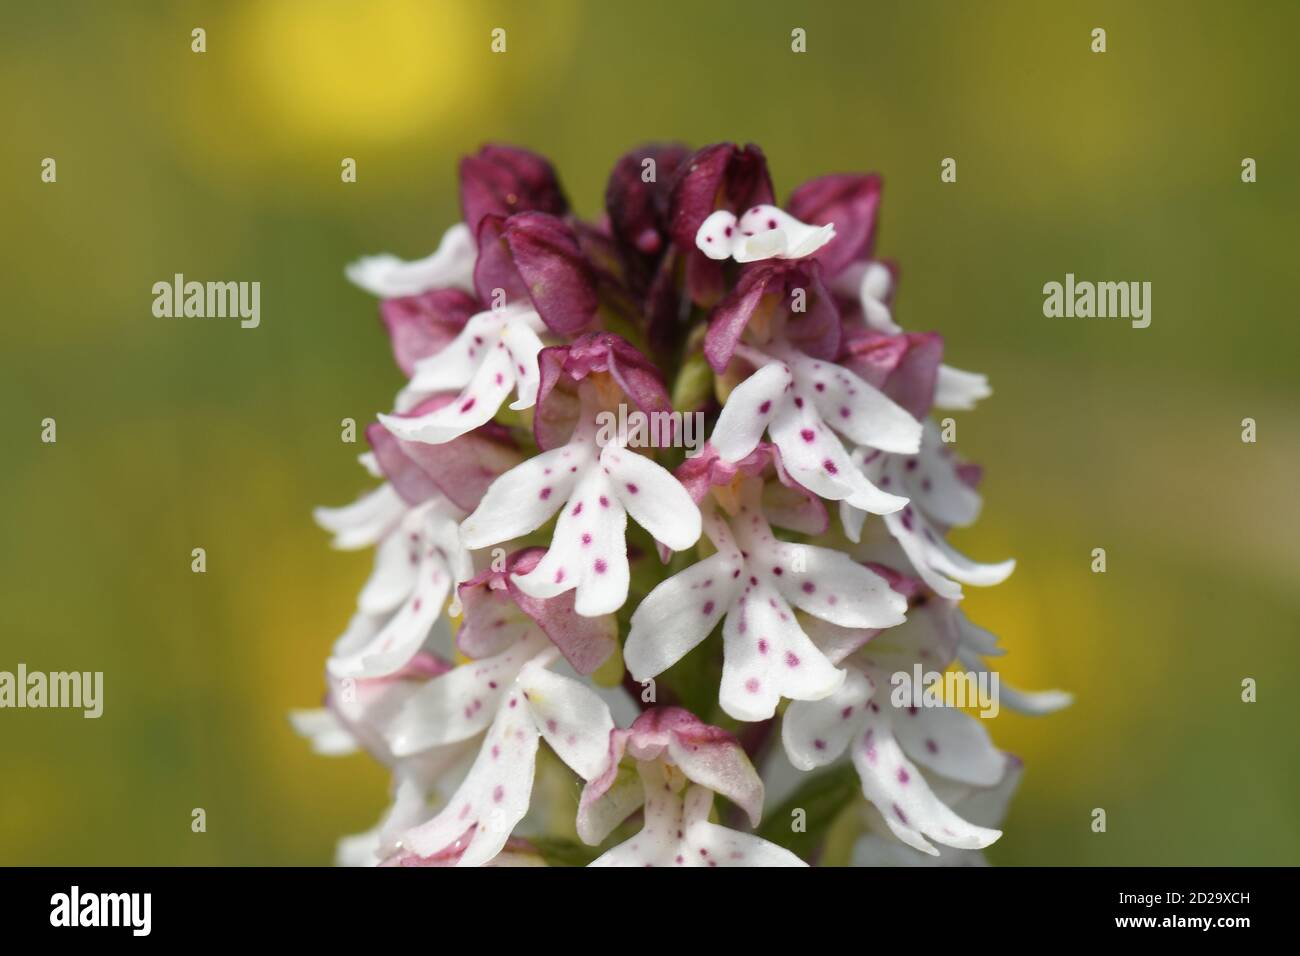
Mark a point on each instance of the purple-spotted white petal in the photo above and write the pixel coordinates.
(761, 232)
(593, 490)
(898, 790)
(415, 570)
(495, 795)
(801, 403)
(669, 764)
(677, 832)
(494, 355)
(753, 584)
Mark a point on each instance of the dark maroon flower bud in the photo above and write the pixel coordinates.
(504, 180)
(602, 254)
(849, 202)
(789, 291)
(706, 282)
(421, 325)
(665, 319)
(722, 176)
(638, 210)
(535, 258)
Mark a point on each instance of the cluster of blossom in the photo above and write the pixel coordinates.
(512, 603)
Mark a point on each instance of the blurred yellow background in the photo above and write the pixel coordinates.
(176, 434)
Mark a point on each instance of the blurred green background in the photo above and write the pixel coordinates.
(176, 434)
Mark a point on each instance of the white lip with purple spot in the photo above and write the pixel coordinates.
(763, 232)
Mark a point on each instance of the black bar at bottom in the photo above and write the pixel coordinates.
(335, 906)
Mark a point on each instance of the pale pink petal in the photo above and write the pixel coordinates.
(707, 755)
(622, 797)
(492, 621)
(794, 509)
(613, 795)
(712, 758)
(585, 642)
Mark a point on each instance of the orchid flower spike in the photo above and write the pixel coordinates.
(519, 640)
